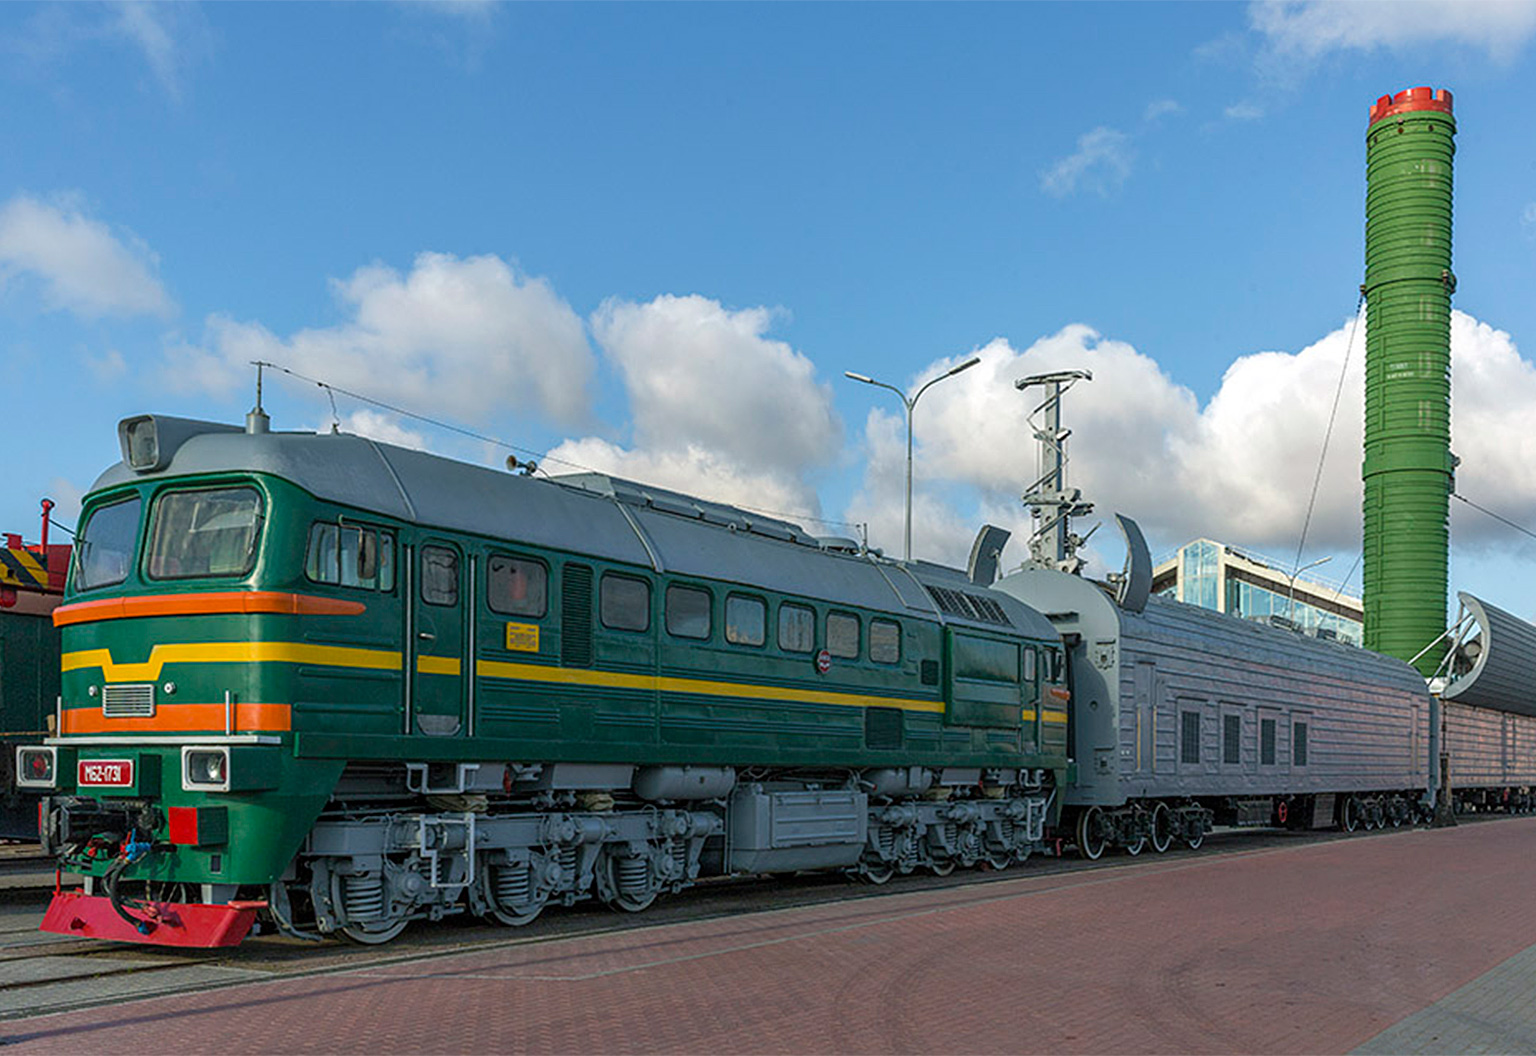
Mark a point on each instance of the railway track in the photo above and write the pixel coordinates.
(42, 973)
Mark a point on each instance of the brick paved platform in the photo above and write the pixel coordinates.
(1311, 948)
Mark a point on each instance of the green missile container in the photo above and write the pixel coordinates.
(1410, 144)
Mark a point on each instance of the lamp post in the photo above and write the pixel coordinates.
(909, 402)
(1290, 597)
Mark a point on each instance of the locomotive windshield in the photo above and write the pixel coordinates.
(210, 532)
(105, 552)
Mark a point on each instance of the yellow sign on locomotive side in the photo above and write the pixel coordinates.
(523, 637)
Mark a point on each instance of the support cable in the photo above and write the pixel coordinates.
(1333, 413)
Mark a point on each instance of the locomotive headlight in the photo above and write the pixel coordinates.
(205, 769)
(36, 768)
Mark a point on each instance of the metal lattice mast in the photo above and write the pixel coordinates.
(1051, 503)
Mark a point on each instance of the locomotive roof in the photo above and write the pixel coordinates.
(590, 513)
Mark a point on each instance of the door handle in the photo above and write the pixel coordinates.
(426, 636)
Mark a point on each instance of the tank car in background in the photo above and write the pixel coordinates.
(347, 685)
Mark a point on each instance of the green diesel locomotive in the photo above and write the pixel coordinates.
(343, 685)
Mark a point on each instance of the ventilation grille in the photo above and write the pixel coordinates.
(576, 616)
(882, 727)
(969, 606)
(128, 702)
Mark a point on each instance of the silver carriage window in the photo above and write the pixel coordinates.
(350, 556)
(517, 587)
(1298, 744)
(624, 603)
(688, 612)
(797, 628)
(212, 532)
(439, 576)
(746, 620)
(885, 641)
(105, 552)
(843, 635)
(985, 659)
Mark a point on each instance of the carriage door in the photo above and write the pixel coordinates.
(437, 667)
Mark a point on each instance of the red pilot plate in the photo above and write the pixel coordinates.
(105, 773)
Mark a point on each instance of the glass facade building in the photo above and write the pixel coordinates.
(1216, 576)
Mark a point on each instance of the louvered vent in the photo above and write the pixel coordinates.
(576, 616)
(128, 702)
(969, 606)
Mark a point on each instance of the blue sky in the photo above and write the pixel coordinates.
(651, 238)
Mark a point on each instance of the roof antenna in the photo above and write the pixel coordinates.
(257, 421)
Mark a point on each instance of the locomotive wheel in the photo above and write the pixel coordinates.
(1349, 814)
(1195, 842)
(877, 873)
(1137, 846)
(999, 860)
(1090, 834)
(515, 915)
(1162, 828)
(373, 933)
(942, 866)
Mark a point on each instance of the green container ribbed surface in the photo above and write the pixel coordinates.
(1408, 465)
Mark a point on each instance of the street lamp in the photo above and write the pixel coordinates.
(1290, 597)
(910, 402)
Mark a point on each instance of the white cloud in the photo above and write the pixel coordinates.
(1239, 469)
(170, 38)
(718, 408)
(108, 367)
(80, 264)
(1309, 29)
(385, 428)
(1161, 108)
(66, 495)
(1243, 111)
(465, 337)
(1528, 220)
(1101, 163)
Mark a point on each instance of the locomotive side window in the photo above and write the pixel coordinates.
(439, 576)
(517, 587)
(688, 612)
(797, 628)
(1189, 739)
(1029, 662)
(986, 660)
(625, 603)
(1266, 742)
(105, 553)
(1299, 744)
(211, 532)
(885, 641)
(746, 620)
(350, 556)
(843, 635)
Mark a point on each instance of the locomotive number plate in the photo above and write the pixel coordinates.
(106, 773)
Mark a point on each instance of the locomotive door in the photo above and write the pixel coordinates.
(438, 675)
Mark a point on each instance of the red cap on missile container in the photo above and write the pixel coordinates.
(1411, 99)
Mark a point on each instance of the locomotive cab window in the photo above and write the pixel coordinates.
(1029, 664)
(885, 641)
(350, 556)
(439, 576)
(688, 614)
(105, 553)
(209, 532)
(746, 620)
(625, 603)
(797, 628)
(843, 635)
(516, 586)
(986, 660)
